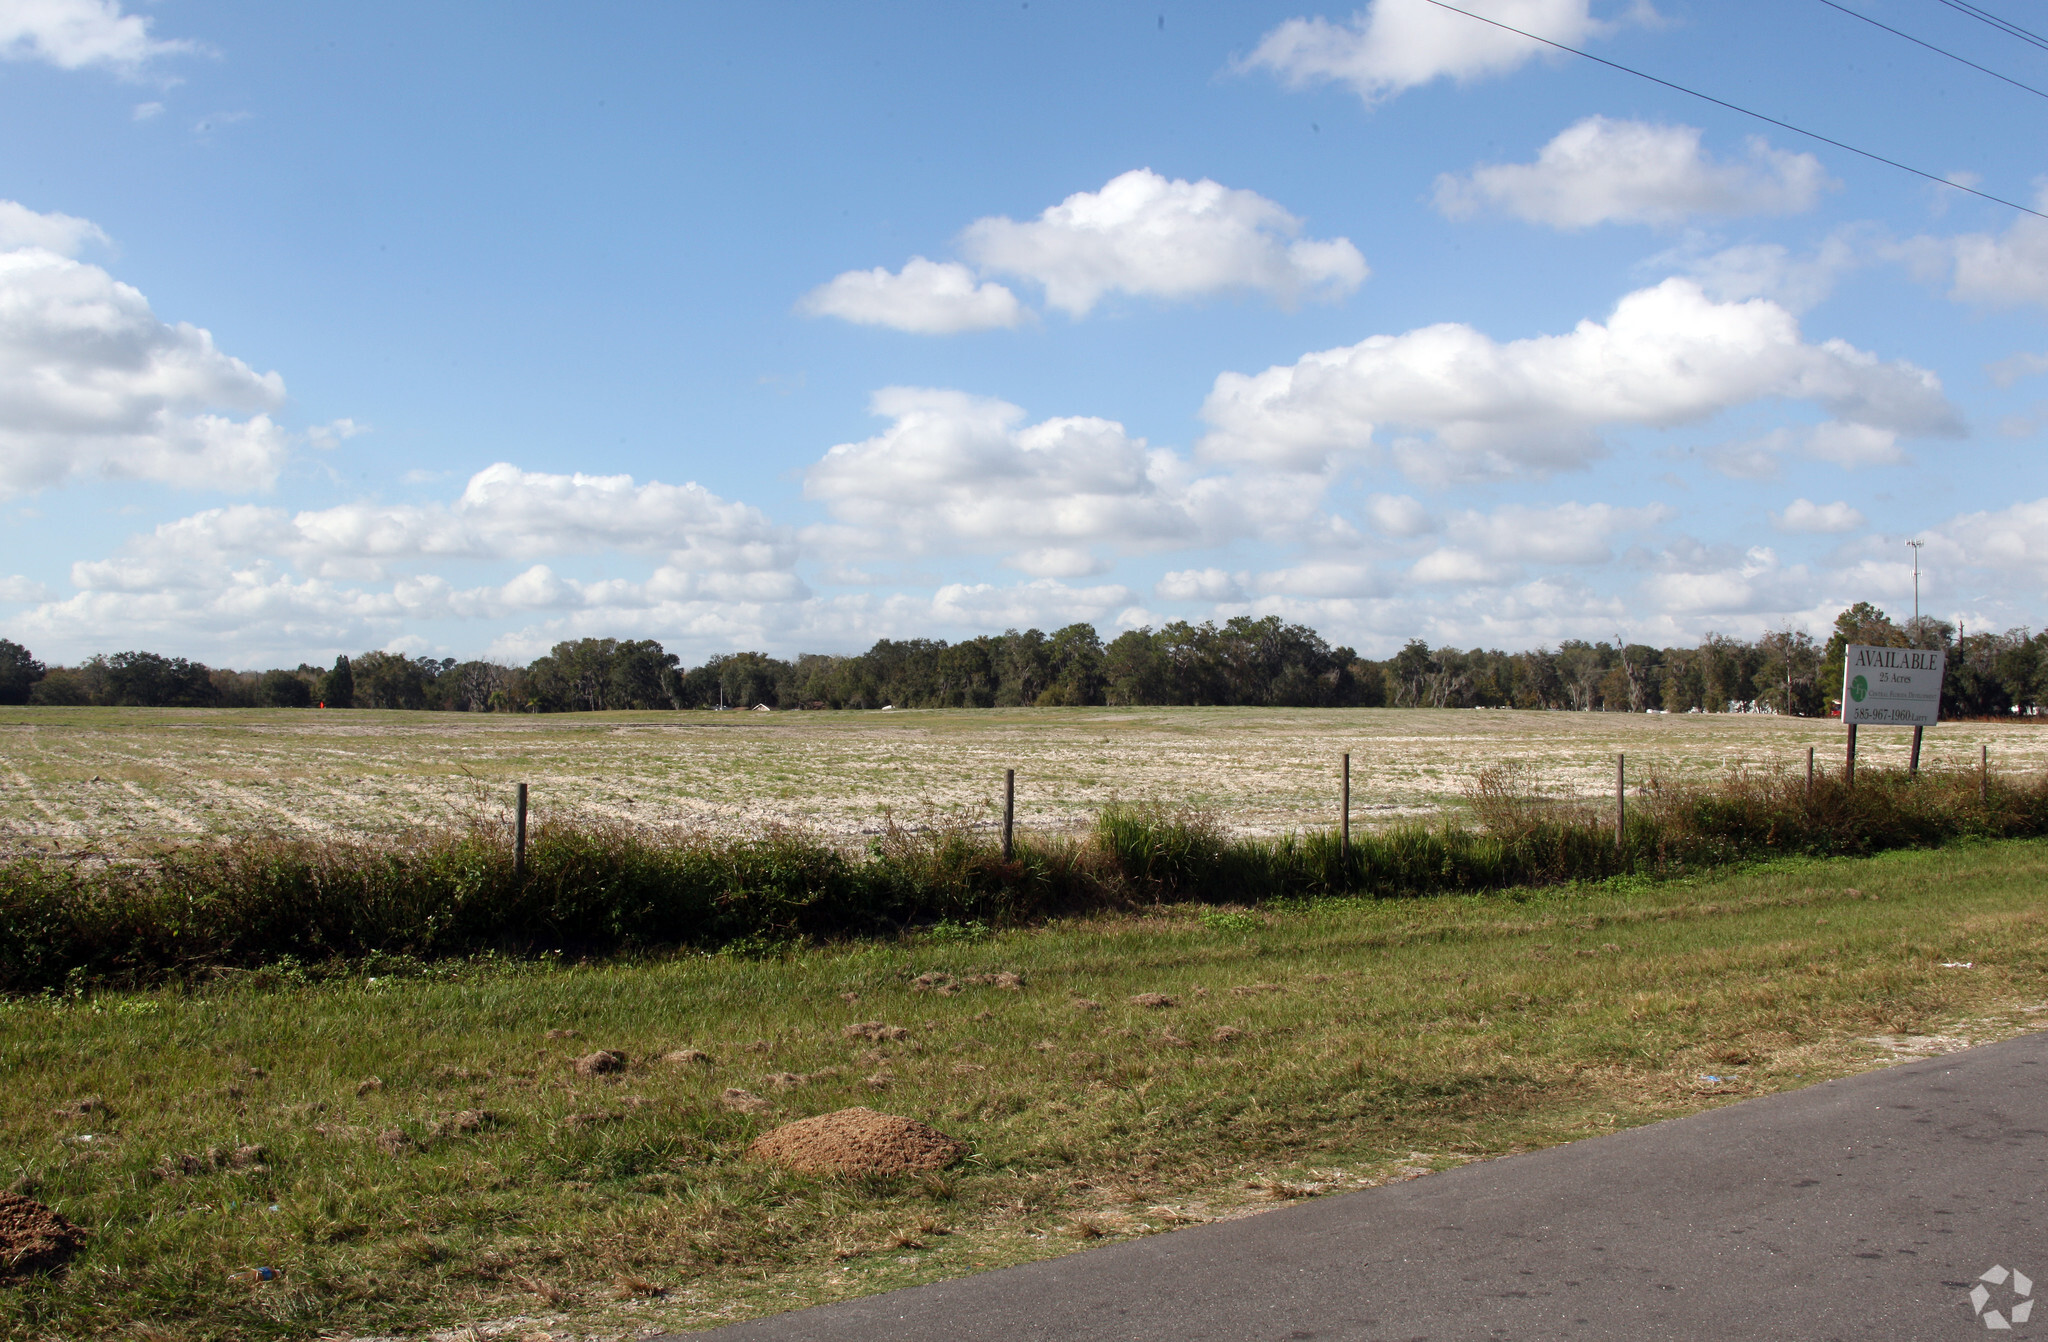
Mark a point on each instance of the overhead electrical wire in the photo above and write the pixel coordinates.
(2003, 25)
(1719, 102)
(1931, 47)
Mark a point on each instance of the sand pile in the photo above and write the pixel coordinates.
(33, 1238)
(857, 1141)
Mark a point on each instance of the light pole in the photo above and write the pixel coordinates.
(1916, 587)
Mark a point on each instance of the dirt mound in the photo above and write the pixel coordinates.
(1154, 1000)
(873, 1029)
(601, 1063)
(857, 1141)
(33, 1238)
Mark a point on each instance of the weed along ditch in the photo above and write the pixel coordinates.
(654, 1074)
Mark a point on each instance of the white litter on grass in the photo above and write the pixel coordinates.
(1958, 964)
(1920, 1045)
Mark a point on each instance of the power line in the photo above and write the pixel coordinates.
(1931, 47)
(2008, 28)
(1708, 97)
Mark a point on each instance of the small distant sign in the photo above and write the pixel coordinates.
(1899, 687)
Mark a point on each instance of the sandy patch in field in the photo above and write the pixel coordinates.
(179, 774)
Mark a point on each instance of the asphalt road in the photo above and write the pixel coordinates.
(1863, 1208)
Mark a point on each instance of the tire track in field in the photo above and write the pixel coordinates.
(253, 801)
(184, 783)
(61, 827)
(184, 821)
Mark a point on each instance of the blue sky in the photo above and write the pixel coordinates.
(459, 330)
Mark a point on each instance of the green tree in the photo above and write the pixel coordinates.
(151, 680)
(19, 672)
(1073, 667)
(1727, 672)
(387, 680)
(1023, 668)
(283, 689)
(1862, 624)
(1134, 670)
(1788, 674)
(338, 687)
(1583, 667)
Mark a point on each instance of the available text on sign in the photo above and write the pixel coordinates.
(1899, 687)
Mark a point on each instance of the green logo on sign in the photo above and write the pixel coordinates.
(1858, 688)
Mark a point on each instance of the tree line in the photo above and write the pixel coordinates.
(1242, 661)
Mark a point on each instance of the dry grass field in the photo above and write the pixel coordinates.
(114, 778)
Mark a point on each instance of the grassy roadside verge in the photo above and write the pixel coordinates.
(598, 889)
(1375, 1039)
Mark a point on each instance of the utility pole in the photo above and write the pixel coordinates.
(1916, 587)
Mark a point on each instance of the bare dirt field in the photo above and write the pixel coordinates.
(113, 778)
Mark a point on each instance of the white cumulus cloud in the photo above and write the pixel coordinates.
(1461, 405)
(1770, 270)
(2017, 367)
(502, 513)
(1141, 234)
(1394, 45)
(1046, 603)
(955, 471)
(1199, 584)
(1491, 547)
(247, 580)
(1605, 171)
(1998, 269)
(1700, 581)
(1401, 516)
(1563, 533)
(64, 234)
(2010, 540)
(73, 34)
(1853, 445)
(1144, 234)
(926, 297)
(93, 383)
(1819, 518)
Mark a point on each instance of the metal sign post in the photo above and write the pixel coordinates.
(519, 836)
(1344, 832)
(1009, 814)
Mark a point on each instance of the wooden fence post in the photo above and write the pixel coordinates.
(1344, 830)
(519, 837)
(1809, 773)
(1983, 772)
(1849, 763)
(1620, 799)
(1009, 814)
(1913, 764)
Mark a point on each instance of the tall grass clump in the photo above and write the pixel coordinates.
(605, 888)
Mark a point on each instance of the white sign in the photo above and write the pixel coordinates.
(1899, 687)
